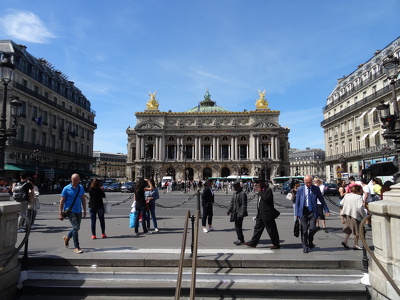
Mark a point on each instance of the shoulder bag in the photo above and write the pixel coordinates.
(67, 212)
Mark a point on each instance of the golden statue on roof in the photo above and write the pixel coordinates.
(261, 103)
(152, 103)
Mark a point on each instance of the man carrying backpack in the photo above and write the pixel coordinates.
(21, 192)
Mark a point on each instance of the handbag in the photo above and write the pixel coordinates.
(67, 212)
(289, 196)
(107, 207)
(296, 229)
(132, 219)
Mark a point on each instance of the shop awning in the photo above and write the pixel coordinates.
(19, 168)
(364, 137)
(362, 115)
(374, 133)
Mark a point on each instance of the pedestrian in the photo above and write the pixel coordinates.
(353, 212)
(142, 186)
(307, 211)
(73, 197)
(295, 186)
(96, 207)
(33, 203)
(342, 191)
(151, 197)
(377, 182)
(266, 215)
(4, 185)
(321, 216)
(21, 192)
(207, 202)
(238, 210)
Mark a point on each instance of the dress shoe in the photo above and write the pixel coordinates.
(250, 244)
(275, 247)
(305, 250)
(311, 245)
(345, 246)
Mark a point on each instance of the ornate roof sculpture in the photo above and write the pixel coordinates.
(152, 104)
(261, 103)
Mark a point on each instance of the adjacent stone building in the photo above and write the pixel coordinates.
(207, 141)
(307, 162)
(110, 165)
(352, 127)
(56, 128)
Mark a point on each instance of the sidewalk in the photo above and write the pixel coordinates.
(215, 249)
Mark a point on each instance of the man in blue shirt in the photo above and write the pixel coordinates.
(71, 192)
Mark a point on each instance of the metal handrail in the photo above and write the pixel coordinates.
(16, 250)
(181, 260)
(194, 258)
(381, 268)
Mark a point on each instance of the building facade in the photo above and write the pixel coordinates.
(207, 141)
(352, 127)
(56, 127)
(110, 165)
(307, 162)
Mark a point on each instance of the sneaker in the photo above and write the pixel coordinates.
(20, 230)
(156, 230)
(211, 229)
(103, 236)
(94, 237)
(66, 241)
(147, 232)
(78, 250)
(205, 230)
(238, 242)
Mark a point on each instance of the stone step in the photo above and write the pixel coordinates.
(162, 281)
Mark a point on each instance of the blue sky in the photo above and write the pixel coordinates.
(118, 51)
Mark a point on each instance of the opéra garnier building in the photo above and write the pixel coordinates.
(207, 141)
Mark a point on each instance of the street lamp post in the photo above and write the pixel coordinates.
(146, 147)
(184, 157)
(6, 72)
(391, 123)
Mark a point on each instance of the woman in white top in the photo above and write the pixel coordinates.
(353, 212)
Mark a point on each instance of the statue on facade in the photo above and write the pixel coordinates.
(152, 103)
(261, 103)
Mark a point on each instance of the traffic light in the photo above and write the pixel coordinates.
(389, 122)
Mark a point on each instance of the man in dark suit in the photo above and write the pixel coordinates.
(266, 215)
(207, 201)
(307, 211)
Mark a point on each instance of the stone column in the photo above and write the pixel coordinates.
(8, 237)
(386, 240)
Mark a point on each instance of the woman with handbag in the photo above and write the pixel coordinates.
(238, 210)
(353, 213)
(142, 186)
(96, 207)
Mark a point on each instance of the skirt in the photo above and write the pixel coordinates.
(351, 226)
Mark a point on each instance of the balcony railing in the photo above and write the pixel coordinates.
(369, 99)
(365, 151)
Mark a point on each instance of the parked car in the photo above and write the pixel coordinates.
(105, 186)
(128, 187)
(114, 187)
(331, 189)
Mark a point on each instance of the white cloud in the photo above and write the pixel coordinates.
(25, 26)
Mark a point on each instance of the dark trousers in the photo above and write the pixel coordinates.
(207, 214)
(308, 229)
(239, 229)
(138, 212)
(97, 211)
(270, 226)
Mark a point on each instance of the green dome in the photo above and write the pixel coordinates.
(207, 105)
(201, 108)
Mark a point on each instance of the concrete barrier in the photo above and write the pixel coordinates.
(9, 275)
